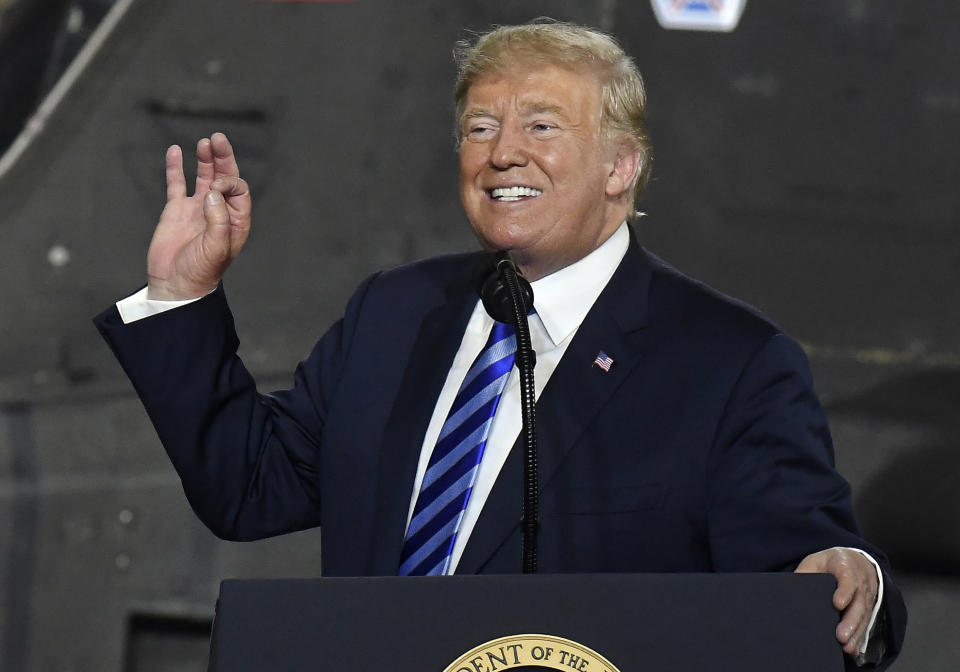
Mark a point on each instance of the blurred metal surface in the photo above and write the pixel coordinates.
(804, 163)
(39, 39)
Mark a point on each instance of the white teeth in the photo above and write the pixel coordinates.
(513, 193)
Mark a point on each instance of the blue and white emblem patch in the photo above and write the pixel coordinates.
(720, 15)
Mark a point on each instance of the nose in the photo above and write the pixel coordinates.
(508, 149)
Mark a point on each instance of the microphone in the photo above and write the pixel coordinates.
(494, 289)
(508, 297)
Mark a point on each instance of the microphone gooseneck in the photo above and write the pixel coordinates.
(508, 297)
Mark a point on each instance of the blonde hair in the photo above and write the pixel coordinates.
(546, 41)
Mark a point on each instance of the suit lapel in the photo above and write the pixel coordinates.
(436, 344)
(575, 394)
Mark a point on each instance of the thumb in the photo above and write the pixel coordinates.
(217, 232)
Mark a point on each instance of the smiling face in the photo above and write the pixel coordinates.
(537, 176)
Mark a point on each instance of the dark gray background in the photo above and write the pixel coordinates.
(805, 163)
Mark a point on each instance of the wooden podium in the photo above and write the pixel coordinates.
(583, 623)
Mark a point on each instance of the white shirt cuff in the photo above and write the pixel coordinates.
(876, 607)
(137, 306)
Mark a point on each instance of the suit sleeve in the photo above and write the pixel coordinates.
(775, 496)
(249, 464)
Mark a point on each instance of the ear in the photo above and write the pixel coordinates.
(626, 164)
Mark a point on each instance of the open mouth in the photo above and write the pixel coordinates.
(507, 194)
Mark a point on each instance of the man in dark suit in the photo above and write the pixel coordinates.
(698, 445)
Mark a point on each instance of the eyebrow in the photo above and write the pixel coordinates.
(475, 113)
(542, 108)
(525, 110)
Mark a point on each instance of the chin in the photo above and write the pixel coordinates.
(509, 238)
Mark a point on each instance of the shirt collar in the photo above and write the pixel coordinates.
(564, 298)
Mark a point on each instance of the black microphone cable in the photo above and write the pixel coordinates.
(508, 297)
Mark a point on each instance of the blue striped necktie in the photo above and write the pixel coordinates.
(453, 465)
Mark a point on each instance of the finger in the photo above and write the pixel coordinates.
(237, 194)
(176, 182)
(846, 587)
(852, 627)
(231, 186)
(811, 564)
(225, 163)
(205, 170)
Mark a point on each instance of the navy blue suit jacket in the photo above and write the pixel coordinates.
(703, 449)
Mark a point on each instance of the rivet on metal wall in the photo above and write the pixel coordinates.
(75, 19)
(58, 256)
(213, 67)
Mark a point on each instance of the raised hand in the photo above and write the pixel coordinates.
(198, 236)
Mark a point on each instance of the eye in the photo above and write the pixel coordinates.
(479, 132)
(545, 129)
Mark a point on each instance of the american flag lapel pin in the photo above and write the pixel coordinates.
(604, 361)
